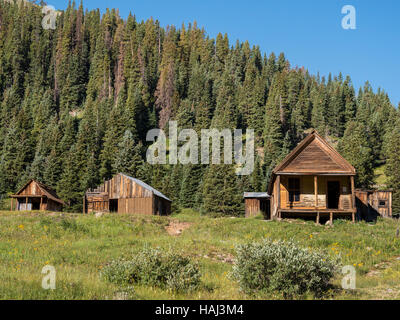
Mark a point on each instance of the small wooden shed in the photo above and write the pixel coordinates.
(374, 203)
(125, 194)
(36, 196)
(256, 203)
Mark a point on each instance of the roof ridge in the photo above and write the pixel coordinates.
(146, 186)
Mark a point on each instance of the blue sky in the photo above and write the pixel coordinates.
(309, 32)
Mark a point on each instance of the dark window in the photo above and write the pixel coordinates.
(294, 190)
(382, 203)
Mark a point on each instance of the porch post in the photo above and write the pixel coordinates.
(316, 191)
(278, 182)
(41, 202)
(353, 195)
(353, 199)
(26, 204)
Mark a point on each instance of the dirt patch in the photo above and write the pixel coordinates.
(220, 257)
(380, 267)
(216, 255)
(383, 293)
(175, 228)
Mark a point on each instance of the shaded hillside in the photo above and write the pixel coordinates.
(76, 104)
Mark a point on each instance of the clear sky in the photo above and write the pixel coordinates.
(309, 32)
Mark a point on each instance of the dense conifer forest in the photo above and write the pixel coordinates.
(77, 102)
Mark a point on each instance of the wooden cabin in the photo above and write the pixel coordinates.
(36, 196)
(124, 194)
(256, 203)
(374, 203)
(313, 181)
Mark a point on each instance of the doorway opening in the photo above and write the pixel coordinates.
(113, 205)
(36, 204)
(265, 209)
(333, 194)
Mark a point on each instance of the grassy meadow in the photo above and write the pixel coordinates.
(79, 246)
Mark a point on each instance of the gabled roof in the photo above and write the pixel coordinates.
(146, 186)
(260, 195)
(49, 192)
(313, 155)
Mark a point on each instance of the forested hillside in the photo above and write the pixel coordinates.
(76, 104)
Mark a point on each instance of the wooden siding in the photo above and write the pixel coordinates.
(369, 204)
(32, 189)
(122, 187)
(317, 165)
(307, 192)
(252, 207)
(131, 197)
(255, 206)
(314, 158)
(32, 197)
(135, 205)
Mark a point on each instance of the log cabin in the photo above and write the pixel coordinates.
(124, 194)
(313, 181)
(35, 195)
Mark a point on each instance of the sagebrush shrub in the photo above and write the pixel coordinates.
(153, 267)
(284, 267)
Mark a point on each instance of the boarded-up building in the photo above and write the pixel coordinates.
(256, 203)
(374, 203)
(36, 196)
(314, 180)
(124, 194)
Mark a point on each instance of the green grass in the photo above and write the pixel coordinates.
(78, 246)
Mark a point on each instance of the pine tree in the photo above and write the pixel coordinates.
(355, 148)
(392, 168)
(129, 159)
(69, 187)
(190, 186)
(221, 193)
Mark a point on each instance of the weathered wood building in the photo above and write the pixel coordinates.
(314, 180)
(374, 203)
(124, 194)
(36, 196)
(256, 203)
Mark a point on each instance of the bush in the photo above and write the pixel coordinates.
(284, 267)
(153, 267)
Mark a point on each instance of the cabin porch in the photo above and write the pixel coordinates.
(28, 202)
(319, 197)
(318, 216)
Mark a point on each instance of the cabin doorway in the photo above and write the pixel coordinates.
(113, 205)
(36, 204)
(333, 194)
(264, 208)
